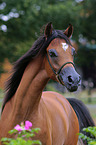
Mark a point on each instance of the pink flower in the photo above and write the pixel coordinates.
(28, 125)
(18, 127)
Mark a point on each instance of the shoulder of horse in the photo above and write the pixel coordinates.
(53, 95)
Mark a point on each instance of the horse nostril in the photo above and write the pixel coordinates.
(70, 79)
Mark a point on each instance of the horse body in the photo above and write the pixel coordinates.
(49, 111)
(63, 129)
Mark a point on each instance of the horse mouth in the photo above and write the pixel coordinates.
(72, 88)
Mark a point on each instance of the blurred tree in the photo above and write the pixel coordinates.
(88, 19)
(21, 20)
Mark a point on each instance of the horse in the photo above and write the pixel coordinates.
(59, 119)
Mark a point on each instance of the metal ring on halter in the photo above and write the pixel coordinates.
(58, 72)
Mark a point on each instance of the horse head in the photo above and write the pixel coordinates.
(59, 59)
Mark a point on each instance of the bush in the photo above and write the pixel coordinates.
(24, 133)
(92, 139)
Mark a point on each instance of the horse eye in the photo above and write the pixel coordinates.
(73, 51)
(52, 53)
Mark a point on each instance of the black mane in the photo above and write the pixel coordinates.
(39, 46)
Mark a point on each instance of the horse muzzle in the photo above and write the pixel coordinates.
(70, 78)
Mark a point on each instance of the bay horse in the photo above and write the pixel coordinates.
(59, 119)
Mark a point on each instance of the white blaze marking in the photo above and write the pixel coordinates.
(64, 46)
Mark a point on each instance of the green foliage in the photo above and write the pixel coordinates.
(92, 139)
(86, 56)
(26, 17)
(23, 136)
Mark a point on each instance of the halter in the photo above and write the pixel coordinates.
(58, 72)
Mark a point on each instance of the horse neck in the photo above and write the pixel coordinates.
(29, 92)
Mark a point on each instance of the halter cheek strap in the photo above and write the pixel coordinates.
(58, 72)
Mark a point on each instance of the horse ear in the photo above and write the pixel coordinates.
(68, 32)
(48, 30)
